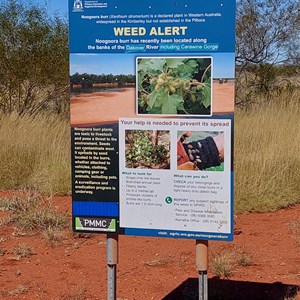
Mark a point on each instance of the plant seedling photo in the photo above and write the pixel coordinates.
(174, 85)
(147, 149)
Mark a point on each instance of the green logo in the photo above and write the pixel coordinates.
(95, 224)
(169, 200)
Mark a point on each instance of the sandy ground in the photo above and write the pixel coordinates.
(103, 107)
(153, 268)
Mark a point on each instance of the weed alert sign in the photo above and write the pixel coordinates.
(152, 105)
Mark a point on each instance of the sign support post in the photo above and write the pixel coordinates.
(202, 267)
(112, 260)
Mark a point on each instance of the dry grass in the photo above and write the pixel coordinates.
(244, 260)
(222, 265)
(80, 293)
(294, 228)
(23, 251)
(2, 251)
(32, 212)
(267, 161)
(163, 261)
(53, 236)
(18, 291)
(35, 153)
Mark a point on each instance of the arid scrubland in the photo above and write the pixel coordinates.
(35, 154)
(267, 163)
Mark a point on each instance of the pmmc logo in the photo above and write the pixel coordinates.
(78, 6)
(95, 224)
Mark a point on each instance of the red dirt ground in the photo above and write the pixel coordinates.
(101, 107)
(154, 268)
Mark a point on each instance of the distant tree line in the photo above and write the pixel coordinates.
(88, 80)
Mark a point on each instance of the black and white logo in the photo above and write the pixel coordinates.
(78, 6)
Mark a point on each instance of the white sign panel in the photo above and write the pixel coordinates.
(176, 196)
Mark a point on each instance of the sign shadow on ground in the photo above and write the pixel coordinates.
(224, 289)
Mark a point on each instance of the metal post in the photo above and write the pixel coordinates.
(112, 260)
(202, 267)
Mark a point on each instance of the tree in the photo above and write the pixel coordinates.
(294, 47)
(265, 29)
(267, 34)
(33, 59)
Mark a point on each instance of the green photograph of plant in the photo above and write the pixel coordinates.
(147, 149)
(174, 85)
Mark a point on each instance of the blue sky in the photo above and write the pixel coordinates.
(53, 6)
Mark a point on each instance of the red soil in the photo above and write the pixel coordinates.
(153, 268)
